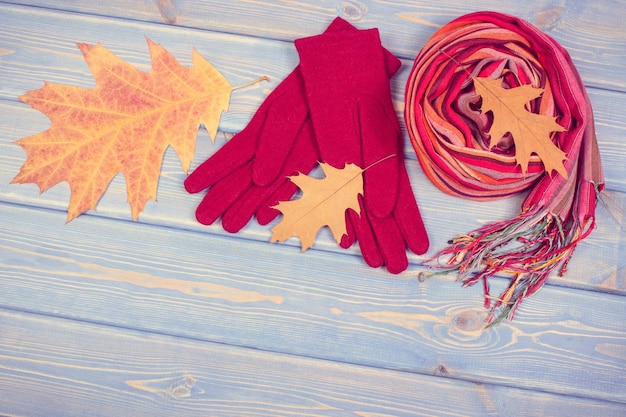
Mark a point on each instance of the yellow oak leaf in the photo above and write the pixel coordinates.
(123, 124)
(531, 132)
(324, 202)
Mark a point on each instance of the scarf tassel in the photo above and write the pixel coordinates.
(529, 248)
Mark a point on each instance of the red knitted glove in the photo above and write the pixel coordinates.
(247, 172)
(349, 98)
(248, 175)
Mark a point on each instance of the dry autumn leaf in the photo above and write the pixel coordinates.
(531, 132)
(323, 203)
(122, 125)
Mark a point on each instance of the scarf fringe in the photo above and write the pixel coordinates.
(529, 248)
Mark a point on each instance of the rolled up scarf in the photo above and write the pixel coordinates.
(449, 134)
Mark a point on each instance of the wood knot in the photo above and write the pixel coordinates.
(441, 371)
(168, 11)
(470, 320)
(548, 19)
(351, 10)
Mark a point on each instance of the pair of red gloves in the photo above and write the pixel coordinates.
(335, 107)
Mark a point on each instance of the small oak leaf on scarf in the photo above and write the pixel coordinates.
(323, 203)
(123, 124)
(530, 131)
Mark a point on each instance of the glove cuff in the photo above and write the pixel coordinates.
(345, 64)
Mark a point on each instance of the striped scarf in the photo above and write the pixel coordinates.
(448, 132)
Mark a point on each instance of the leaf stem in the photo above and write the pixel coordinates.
(378, 162)
(258, 80)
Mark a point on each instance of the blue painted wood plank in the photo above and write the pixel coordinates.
(316, 304)
(591, 31)
(597, 264)
(52, 367)
(163, 276)
(19, 122)
(47, 52)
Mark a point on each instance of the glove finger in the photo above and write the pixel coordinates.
(390, 243)
(408, 217)
(232, 155)
(365, 237)
(285, 119)
(380, 134)
(242, 210)
(380, 240)
(222, 195)
(267, 213)
(303, 159)
(256, 199)
(349, 237)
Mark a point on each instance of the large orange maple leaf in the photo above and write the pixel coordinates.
(123, 124)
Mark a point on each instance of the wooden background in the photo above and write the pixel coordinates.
(104, 316)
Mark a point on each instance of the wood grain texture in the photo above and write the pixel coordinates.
(167, 317)
(185, 284)
(598, 263)
(405, 25)
(155, 375)
(40, 57)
